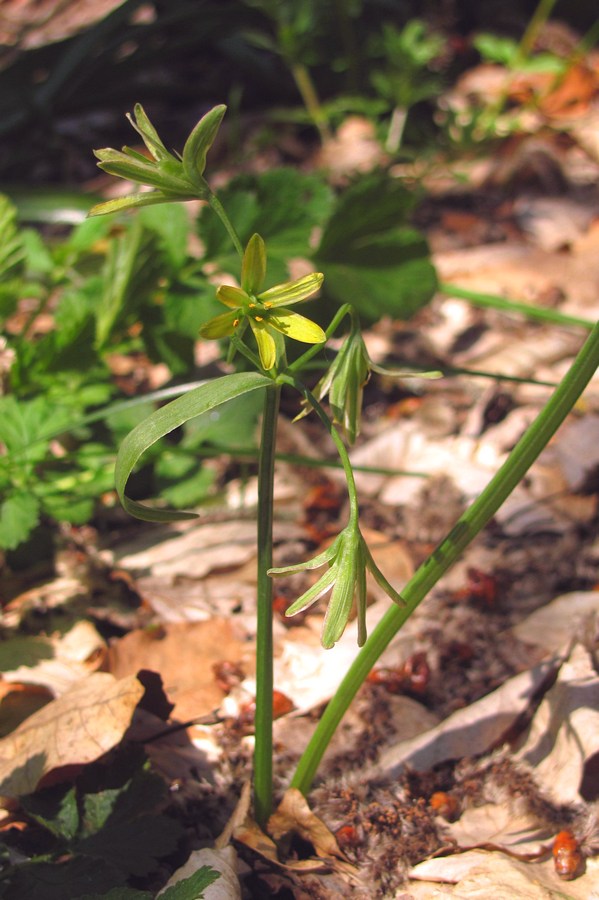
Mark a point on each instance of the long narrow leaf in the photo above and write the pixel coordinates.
(164, 420)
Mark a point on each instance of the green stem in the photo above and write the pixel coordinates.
(533, 312)
(467, 527)
(264, 641)
(305, 86)
(219, 209)
(341, 449)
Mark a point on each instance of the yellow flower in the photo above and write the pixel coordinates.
(266, 311)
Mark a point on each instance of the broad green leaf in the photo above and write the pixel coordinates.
(283, 206)
(171, 224)
(135, 847)
(202, 399)
(19, 514)
(371, 257)
(55, 809)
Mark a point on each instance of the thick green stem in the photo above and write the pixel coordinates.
(264, 644)
(467, 527)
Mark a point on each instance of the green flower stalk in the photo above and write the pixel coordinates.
(174, 177)
(266, 311)
(348, 558)
(346, 377)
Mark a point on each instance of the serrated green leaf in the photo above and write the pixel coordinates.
(191, 888)
(282, 205)
(207, 397)
(55, 809)
(19, 514)
(370, 257)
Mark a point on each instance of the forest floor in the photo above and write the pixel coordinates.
(474, 742)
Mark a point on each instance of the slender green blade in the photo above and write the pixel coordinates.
(164, 420)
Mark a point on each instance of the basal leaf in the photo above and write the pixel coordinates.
(19, 514)
(202, 399)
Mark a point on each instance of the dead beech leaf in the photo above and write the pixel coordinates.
(18, 702)
(554, 625)
(253, 837)
(495, 826)
(480, 875)
(293, 815)
(184, 656)
(71, 658)
(564, 732)
(77, 728)
(470, 731)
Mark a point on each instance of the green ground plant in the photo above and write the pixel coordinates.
(258, 323)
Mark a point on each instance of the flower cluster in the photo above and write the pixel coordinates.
(348, 558)
(266, 311)
(173, 177)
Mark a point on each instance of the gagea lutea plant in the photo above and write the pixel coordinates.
(258, 323)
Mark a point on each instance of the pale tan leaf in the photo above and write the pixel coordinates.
(470, 731)
(77, 728)
(564, 732)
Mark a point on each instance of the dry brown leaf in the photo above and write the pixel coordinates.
(184, 656)
(497, 825)
(481, 875)
(470, 731)
(18, 702)
(564, 732)
(76, 654)
(294, 816)
(35, 23)
(555, 625)
(77, 728)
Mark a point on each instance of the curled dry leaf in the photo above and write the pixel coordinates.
(77, 728)
(474, 730)
(564, 732)
(294, 816)
(479, 874)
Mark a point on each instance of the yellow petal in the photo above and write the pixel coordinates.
(233, 297)
(253, 267)
(219, 326)
(292, 291)
(266, 344)
(298, 327)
